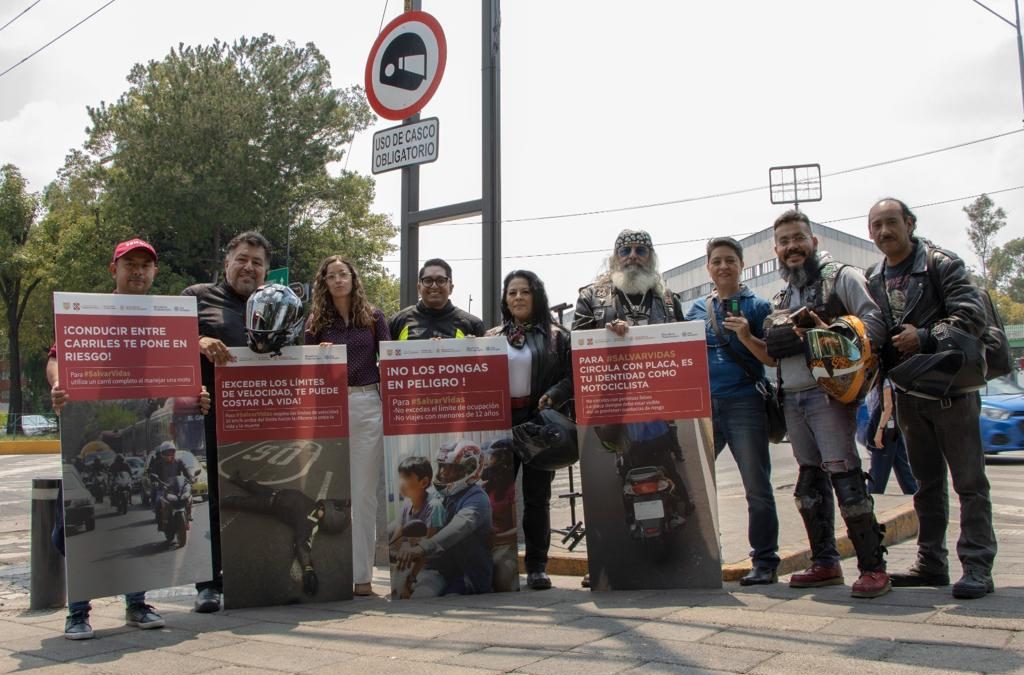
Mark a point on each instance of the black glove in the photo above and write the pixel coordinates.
(310, 584)
(782, 341)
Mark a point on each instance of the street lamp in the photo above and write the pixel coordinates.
(1020, 43)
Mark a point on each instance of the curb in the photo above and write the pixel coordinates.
(47, 447)
(900, 525)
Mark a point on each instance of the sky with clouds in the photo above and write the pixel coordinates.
(607, 105)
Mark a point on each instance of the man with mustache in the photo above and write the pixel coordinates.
(821, 429)
(221, 307)
(942, 435)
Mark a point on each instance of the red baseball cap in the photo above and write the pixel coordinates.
(126, 247)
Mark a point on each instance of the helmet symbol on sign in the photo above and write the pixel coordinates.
(405, 65)
(404, 62)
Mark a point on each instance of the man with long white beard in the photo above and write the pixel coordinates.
(822, 428)
(630, 293)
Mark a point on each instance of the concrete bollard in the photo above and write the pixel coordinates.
(48, 585)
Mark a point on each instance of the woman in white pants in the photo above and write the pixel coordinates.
(341, 314)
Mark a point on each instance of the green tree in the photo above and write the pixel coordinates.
(216, 139)
(985, 222)
(22, 269)
(1006, 269)
(1010, 312)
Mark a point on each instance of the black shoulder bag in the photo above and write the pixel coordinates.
(772, 402)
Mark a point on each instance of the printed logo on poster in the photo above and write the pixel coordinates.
(653, 373)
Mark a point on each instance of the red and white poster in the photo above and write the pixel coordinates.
(130, 366)
(642, 403)
(112, 346)
(654, 372)
(449, 467)
(285, 498)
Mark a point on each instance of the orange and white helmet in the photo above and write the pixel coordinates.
(466, 455)
(841, 359)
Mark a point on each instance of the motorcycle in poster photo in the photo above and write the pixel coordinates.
(121, 492)
(174, 510)
(654, 496)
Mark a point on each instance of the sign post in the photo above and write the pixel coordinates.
(402, 73)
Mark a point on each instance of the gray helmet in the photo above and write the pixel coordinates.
(273, 318)
(335, 514)
(547, 441)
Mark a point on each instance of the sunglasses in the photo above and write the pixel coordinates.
(641, 251)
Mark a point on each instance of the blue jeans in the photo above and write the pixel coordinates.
(891, 457)
(741, 424)
(130, 599)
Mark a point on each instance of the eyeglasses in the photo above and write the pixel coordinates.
(641, 251)
(433, 281)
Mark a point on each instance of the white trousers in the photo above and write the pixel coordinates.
(366, 453)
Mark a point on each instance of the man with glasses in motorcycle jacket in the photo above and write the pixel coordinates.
(822, 428)
(434, 316)
(458, 556)
(922, 289)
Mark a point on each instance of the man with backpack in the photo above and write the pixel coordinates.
(924, 292)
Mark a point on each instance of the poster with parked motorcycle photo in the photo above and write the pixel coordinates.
(448, 465)
(285, 498)
(642, 403)
(132, 445)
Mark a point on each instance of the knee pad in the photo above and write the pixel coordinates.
(852, 492)
(808, 492)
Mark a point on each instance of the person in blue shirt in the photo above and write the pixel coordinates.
(736, 356)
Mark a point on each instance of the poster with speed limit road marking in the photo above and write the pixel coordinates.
(647, 453)
(285, 502)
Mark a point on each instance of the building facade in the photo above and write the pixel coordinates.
(761, 265)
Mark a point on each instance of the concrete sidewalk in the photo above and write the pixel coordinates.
(771, 629)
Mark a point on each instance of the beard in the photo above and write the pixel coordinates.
(635, 279)
(800, 277)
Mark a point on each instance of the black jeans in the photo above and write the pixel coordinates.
(536, 507)
(941, 435)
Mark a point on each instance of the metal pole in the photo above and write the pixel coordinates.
(48, 589)
(1020, 50)
(491, 146)
(409, 252)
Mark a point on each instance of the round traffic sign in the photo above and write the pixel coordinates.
(405, 65)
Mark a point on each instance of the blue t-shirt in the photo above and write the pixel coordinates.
(728, 379)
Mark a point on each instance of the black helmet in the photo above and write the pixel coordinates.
(957, 367)
(335, 514)
(273, 318)
(547, 441)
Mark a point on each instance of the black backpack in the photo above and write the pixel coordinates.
(997, 346)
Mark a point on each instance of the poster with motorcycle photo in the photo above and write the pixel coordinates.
(642, 403)
(448, 466)
(132, 445)
(285, 502)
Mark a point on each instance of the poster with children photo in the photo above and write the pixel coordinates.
(448, 464)
(451, 515)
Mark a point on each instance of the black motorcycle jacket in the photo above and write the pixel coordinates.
(419, 322)
(601, 303)
(551, 365)
(956, 301)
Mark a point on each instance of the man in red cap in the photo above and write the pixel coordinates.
(133, 270)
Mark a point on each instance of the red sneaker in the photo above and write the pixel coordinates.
(817, 575)
(871, 585)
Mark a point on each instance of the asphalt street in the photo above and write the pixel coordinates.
(262, 569)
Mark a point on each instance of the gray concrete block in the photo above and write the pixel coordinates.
(718, 616)
(928, 633)
(572, 663)
(503, 659)
(696, 654)
(958, 658)
(816, 664)
(802, 643)
(255, 654)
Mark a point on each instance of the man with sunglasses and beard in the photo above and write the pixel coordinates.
(822, 429)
